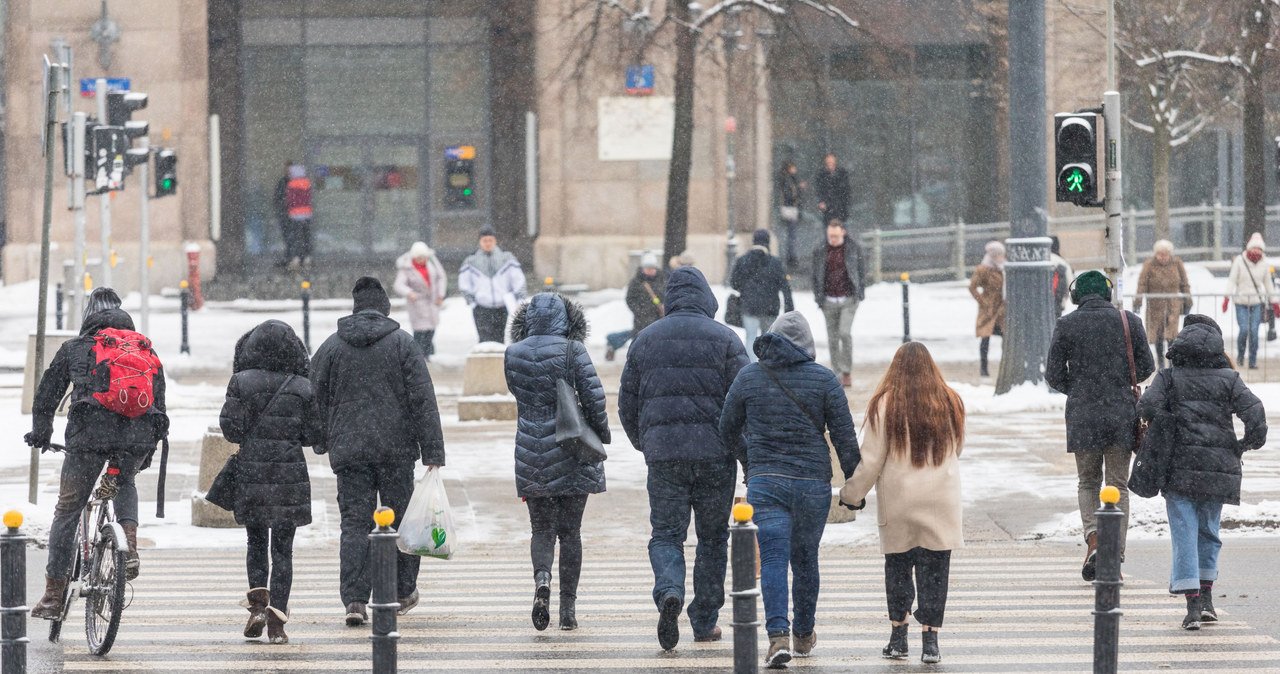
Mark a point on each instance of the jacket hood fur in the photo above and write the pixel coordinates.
(550, 314)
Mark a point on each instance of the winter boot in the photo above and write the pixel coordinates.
(131, 562)
(50, 605)
(897, 648)
(568, 619)
(407, 603)
(802, 645)
(356, 615)
(779, 651)
(609, 352)
(983, 346)
(275, 625)
(669, 622)
(1192, 620)
(715, 634)
(1207, 613)
(256, 601)
(541, 600)
(1090, 569)
(929, 654)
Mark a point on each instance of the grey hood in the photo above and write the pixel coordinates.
(795, 328)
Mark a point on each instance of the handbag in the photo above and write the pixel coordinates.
(1139, 429)
(1268, 314)
(573, 433)
(225, 487)
(789, 213)
(733, 310)
(1151, 464)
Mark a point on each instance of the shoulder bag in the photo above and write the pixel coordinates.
(653, 297)
(1267, 314)
(573, 433)
(1151, 464)
(225, 488)
(733, 310)
(817, 422)
(1140, 428)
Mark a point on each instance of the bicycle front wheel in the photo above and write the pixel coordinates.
(104, 592)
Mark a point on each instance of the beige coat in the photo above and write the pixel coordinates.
(987, 286)
(1249, 283)
(424, 312)
(1158, 279)
(915, 507)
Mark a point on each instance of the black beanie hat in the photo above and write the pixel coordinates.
(487, 230)
(1193, 319)
(760, 238)
(369, 294)
(100, 299)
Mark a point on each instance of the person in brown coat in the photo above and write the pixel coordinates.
(1163, 274)
(987, 286)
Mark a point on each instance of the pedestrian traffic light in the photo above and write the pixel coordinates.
(166, 172)
(459, 186)
(121, 104)
(106, 157)
(1076, 157)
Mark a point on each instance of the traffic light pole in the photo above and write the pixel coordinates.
(77, 206)
(144, 240)
(104, 198)
(1113, 202)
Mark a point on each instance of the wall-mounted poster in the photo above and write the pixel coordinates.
(633, 129)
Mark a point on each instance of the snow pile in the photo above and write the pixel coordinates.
(1028, 397)
(1149, 521)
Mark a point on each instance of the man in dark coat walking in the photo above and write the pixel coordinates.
(759, 277)
(835, 193)
(839, 286)
(1089, 361)
(377, 406)
(677, 375)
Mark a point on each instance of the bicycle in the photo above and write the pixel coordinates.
(98, 572)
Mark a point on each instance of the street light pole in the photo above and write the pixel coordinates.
(731, 36)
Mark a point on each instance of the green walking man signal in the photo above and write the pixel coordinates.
(1076, 157)
(1075, 181)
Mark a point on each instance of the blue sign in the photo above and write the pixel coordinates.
(89, 85)
(640, 80)
(460, 152)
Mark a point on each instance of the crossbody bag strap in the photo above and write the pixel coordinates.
(1128, 343)
(653, 297)
(817, 423)
(263, 413)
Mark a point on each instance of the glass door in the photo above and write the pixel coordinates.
(366, 196)
(338, 197)
(394, 219)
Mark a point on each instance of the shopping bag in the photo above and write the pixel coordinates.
(426, 529)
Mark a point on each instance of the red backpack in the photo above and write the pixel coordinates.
(125, 358)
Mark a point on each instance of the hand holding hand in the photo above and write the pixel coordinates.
(1224, 304)
(858, 506)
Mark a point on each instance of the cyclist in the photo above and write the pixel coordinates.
(94, 435)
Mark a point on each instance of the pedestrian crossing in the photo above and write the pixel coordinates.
(1011, 608)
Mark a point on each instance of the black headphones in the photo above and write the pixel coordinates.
(1075, 297)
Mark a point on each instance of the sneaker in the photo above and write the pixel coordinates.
(1090, 569)
(714, 635)
(356, 615)
(897, 648)
(779, 652)
(669, 622)
(802, 644)
(408, 603)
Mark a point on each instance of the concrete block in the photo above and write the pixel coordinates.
(214, 452)
(491, 407)
(53, 340)
(484, 374)
(839, 513)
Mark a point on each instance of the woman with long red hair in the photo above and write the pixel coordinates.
(914, 429)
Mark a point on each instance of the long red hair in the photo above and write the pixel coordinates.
(921, 413)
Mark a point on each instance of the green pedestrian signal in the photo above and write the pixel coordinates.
(1075, 181)
(1076, 157)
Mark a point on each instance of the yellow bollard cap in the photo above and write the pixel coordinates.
(306, 285)
(548, 280)
(13, 519)
(383, 517)
(742, 512)
(905, 276)
(183, 283)
(1110, 495)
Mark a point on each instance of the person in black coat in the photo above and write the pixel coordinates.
(94, 435)
(1089, 361)
(1202, 391)
(835, 193)
(270, 413)
(377, 409)
(673, 388)
(759, 277)
(546, 337)
(644, 299)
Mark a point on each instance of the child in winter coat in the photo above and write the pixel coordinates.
(270, 413)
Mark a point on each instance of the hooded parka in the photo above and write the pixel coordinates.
(424, 313)
(544, 332)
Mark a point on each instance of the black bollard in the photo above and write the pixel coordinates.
(306, 315)
(57, 307)
(906, 308)
(186, 302)
(746, 652)
(1106, 607)
(13, 596)
(382, 543)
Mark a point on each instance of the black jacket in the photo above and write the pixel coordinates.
(1087, 361)
(788, 189)
(641, 303)
(1205, 462)
(543, 333)
(855, 267)
(90, 426)
(759, 277)
(834, 190)
(374, 395)
(274, 489)
(677, 374)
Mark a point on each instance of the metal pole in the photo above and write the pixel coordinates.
(1217, 229)
(729, 36)
(46, 221)
(186, 300)
(906, 308)
(144, 240)
(383, 552)
(746, 650)
(13, 596)
(531, 173)
(77, 195)
(57, 307)
(104, 199)
(1111, 45)
(1106, 608)
(877, 255)
(306, 315)
(215, 177)
(1113, 203)
(959, 252)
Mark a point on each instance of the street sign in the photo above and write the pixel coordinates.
(640, 80)
(460, 152)
(88, 85)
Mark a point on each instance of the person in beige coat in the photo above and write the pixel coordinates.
(421, 280)
(1250, 286)
(1163, 274)
(987, 287)
(914, 429)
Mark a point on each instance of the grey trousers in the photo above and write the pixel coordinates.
(1093, 469)
(839, 317)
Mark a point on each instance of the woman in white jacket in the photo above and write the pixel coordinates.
(421, 280)
(1250, 287)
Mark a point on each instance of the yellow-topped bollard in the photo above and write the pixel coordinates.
(383, 517)
(13, 519)
(183, 284)
(548, 281)
(306, 285)
(742, 512)
(1109, 494)
(905, 277)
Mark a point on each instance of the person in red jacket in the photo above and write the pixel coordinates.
(293, 209)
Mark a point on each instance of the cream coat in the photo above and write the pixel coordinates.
(1244, 274)
(424, 313)
(915, 507)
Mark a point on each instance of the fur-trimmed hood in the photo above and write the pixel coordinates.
(550, 314)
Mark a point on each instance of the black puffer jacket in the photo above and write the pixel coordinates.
(374, 395)
(274, 490)
(1205, 465)
(759, 277)
(543, 333)
(90, 426)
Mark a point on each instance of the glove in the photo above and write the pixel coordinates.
(1224, 304)
(319, 448)
(39, 438)
(859, 506)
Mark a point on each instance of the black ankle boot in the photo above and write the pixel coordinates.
(568, 620)
(929, 647)
(1207, 613)
(1192, 619)
(897, 648)
(541, 600)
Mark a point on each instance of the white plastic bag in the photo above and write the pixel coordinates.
(426, 529)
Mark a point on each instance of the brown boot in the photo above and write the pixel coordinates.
(131, 562)
(256, 601)
(50, 605)
(846, 380)
(275, 625)
(779, 652)
(1090, 569)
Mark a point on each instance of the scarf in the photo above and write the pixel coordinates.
(1254, 255)
(422, 269)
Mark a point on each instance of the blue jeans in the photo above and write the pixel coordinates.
(1248, 318)
(791, 514)
(1193, 528)
(617, 340)
(705, 489)
(753, 325)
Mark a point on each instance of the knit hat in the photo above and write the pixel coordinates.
(100, 299)
(1193, 319)
(686, 259)
(994, 249)
(1165, 246)
(760, 238)
(487, 230)
(419, 251)
(369, 294)
(648, 261)
(297, 171)
(1255, 241)
(1092, 282)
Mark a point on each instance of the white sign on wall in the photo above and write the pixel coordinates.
(632, 128)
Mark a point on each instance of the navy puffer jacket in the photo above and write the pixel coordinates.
(544, 332)
(677, 374)
(1205, 465)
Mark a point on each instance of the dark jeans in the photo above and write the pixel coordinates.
(705, 489)
(359, 489)
(426, 341)
(791, 515)
(490, 323)
(932, 568)
(80, 472)
(270, 555)
(297, 238)
(557, 517)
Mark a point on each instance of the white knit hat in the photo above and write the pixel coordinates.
(648, 261)
(419, 251)
(1163, 246)
(1255, 241)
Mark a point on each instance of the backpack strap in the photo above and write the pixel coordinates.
(817, 423)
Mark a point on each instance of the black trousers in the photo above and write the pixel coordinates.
(426, 341)
(552, 518)
(359, 490)
(490, 323)
(297, 238)
(269, 561)
(931, 569)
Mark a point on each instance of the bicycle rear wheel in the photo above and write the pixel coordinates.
(104, 592)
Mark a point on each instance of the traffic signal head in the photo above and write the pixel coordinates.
(166, 172)
(1076, 157)
(134, 129)
(105, 166)
(459, 186)
(121, 104)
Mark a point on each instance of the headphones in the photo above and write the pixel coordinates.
(1075, 296)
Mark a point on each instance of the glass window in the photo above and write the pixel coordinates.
(366, 90)
(459, 87)
(273, 136)
(366, 31)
